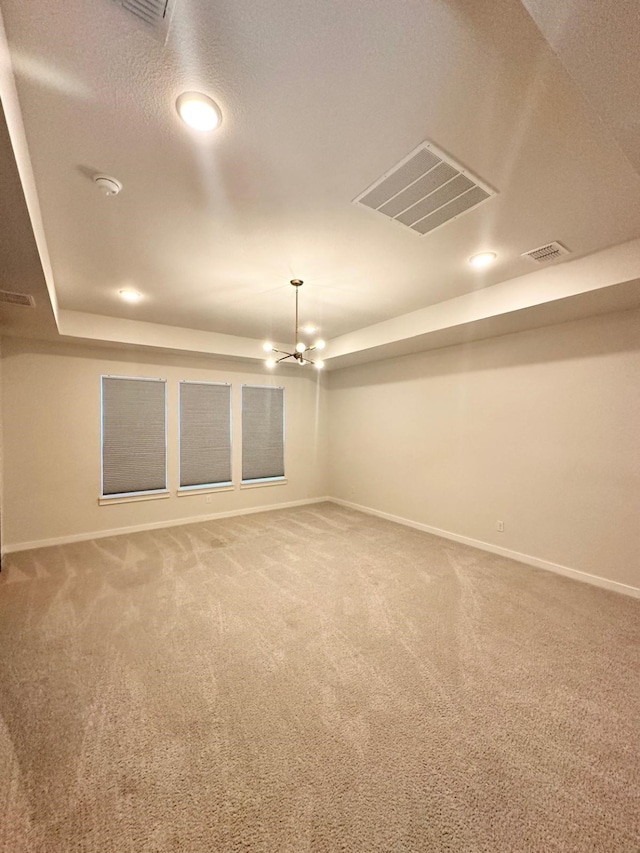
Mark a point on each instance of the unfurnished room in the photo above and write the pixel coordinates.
(319, 426)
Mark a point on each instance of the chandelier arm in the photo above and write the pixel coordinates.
(285, 357)
(281, 351)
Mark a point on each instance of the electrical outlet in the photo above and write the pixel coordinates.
(500, 526)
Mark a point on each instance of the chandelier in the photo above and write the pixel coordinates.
(300, 350)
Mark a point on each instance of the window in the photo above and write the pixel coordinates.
(134, 436)
(205, 434)
(262, 433)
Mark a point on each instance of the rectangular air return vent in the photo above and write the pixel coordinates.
(17, 299)
(545, 254)
(425, 190)
(155, 15)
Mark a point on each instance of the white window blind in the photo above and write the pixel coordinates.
(205, 434)
(134, 436)
(262, 432)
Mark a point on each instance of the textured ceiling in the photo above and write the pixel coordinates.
(597, 43)
(319, 100)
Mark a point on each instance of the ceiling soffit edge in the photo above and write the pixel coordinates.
(546, 286)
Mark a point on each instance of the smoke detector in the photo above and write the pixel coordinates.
(107, 186)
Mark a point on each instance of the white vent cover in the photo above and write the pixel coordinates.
(154, 14)
(544, 254)
(425, 190)
(17, 298)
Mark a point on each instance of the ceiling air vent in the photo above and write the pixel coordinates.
(17, 299)
(154, 14)
(545, 254)
(425, 190)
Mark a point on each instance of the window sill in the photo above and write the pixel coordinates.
(127, 499)
(204, 490)
(258, 484)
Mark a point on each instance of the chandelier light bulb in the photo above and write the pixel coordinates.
(270, 362)
(267, 347)
(300, 347)
(319, 365)
(320, 344)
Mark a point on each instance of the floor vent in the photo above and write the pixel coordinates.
(545, 254)
(425, 190)
(17, 299)
(154, 14)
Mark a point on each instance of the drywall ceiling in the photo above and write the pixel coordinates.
(319, 101)
(598, 45)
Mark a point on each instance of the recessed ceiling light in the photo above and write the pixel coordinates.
(309, 328)
(130, 295)
(483, 259)
(198, 111)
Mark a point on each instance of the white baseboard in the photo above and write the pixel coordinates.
(153, 525)
(595, 580)
(616, 586)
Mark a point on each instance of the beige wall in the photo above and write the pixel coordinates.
(540, 430)
(1, 462)
(51, 409)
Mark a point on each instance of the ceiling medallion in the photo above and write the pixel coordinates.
(300, 350)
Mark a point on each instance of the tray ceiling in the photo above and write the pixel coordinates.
(318, 100)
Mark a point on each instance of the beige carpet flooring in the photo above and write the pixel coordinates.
(312, 679)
